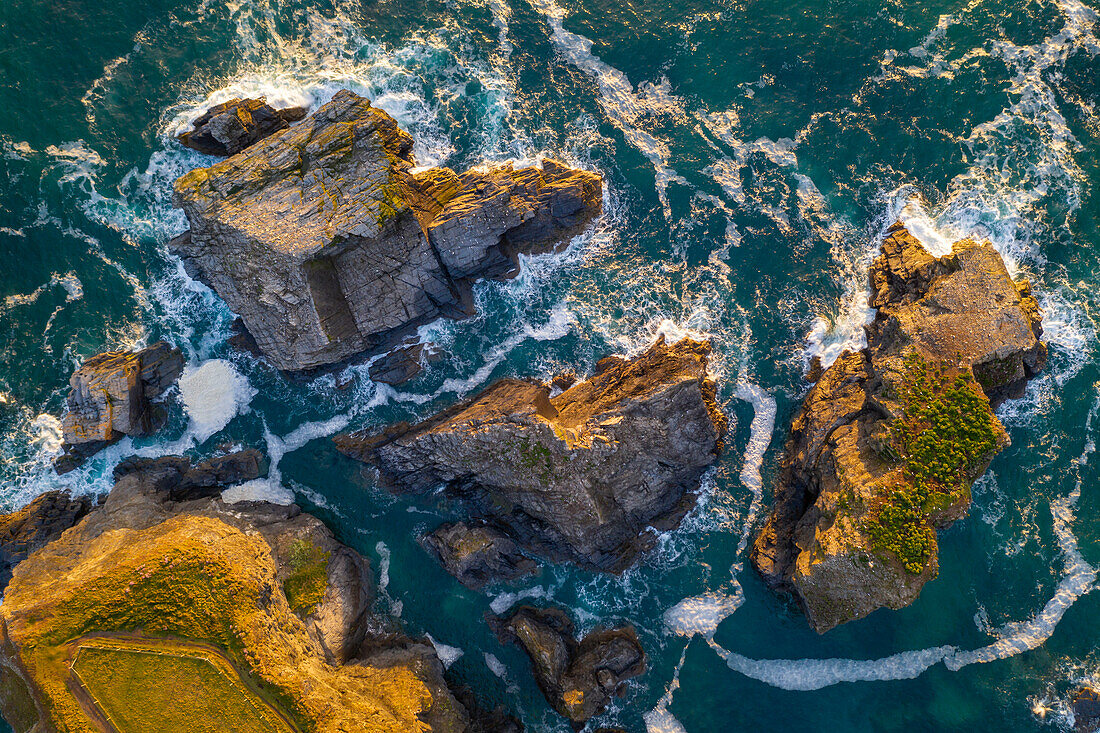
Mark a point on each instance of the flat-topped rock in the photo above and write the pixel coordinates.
(328, 243)
(253, 588)
(582, 476)
(889, 440)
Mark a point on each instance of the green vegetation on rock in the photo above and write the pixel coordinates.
(170, 688)
(948, 431)
(305, 586)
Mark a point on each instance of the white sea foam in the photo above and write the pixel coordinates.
(383, 565)
(446, 653)
(623, 107)
(504, 601)
(495, 665)
(213, 394)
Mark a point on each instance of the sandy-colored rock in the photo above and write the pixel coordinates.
(889, 440)
(265, 585)
(581, 476)
(328, 243)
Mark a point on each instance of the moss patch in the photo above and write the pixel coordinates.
(305, 586)
(947, 433)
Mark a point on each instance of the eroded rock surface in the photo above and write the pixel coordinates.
(581, 476)
(578, 678)
(365, 248)
(476, 553)
(266, 585)
(889, 440)
(230, 127)
(1086, 710)
(112, 395)
(36, 525)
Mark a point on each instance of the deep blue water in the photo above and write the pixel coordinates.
(754, 153)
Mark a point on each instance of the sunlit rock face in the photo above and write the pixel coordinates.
(327, 243)
(260, 588)
(580, 476)
(889, 440)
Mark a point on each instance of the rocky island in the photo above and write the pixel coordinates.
(166, 609)
(328, 242)
(889, 440)
(581, 476)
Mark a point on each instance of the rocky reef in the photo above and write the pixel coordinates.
(328, 243)
(580, 476)
(889, 440)
(166, 609)
(112, 395)
(230, 127)
(1086, 710)
(578, 678)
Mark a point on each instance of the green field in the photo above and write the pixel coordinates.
(170, 688)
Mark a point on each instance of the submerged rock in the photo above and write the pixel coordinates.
(578, 678)
(581, 476)
(230, 127)
(365, 248)
(1086, 711)
(255, 587)
(111, 395)
(889, 440)
(476, 553)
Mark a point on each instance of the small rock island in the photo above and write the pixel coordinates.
(889, 440)
(581, 476)
(328, 242)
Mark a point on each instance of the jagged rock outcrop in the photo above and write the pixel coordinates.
(112, 395)
(889, 440)
(36, 525)
(365, 249)
(258, 588)
(578, 678)
(581, 476)
(476, 553)
(228, 128)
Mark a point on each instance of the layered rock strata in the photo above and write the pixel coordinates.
(581, 476)
(113, 395)
(578, 677)
(889, 440)
(252, 589)
(230, 127)
(328, 243)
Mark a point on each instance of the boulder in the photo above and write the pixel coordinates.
(260, 588)
(230, 127)
(581, 476)
(367, 248)
(36, 525)
(578, 678)
(888, 441)
(112, 395)
(476, 553)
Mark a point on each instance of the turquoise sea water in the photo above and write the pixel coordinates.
(754, 153)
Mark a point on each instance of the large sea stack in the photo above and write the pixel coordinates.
(156, 613)
(327, 242)
(889, 440)
(580, 476)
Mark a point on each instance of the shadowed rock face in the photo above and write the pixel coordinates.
(580, 476)
(578, 678)
(1086, 710)
(230, 127)
(111, 395)
(36, 525)
(328, 244)
(476, 553)
(268, 585)
(889, 439)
